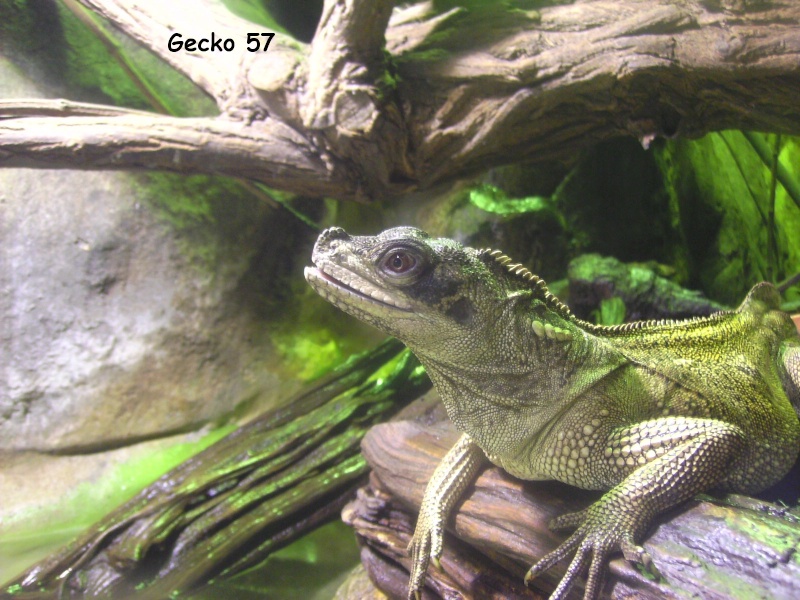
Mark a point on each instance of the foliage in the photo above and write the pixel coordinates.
(494, 200)
(254, 11)
(83, 58)
(611, 311)
(721, 195)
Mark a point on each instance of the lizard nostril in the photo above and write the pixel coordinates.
(329, 240)
(333, 233)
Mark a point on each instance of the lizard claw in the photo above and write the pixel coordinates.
(425, 548)
(636, 554)
(600, 532)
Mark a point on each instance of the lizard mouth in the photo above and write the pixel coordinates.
(350, 287)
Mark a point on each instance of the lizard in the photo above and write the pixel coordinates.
(650, 412)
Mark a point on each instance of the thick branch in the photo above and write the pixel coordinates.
(594, 69)
(344, 62)
(475, 88)
(267, 151)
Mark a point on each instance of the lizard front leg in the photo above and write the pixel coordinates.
(662, 462)
(453, 474)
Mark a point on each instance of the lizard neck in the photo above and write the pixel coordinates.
(502, 402)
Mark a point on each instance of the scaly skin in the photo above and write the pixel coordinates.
(652, 412)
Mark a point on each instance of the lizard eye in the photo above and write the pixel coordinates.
(399, 262)
(402, 264)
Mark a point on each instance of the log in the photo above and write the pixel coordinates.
(647, 295)
(709, 548)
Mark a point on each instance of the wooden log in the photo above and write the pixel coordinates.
(711, 549)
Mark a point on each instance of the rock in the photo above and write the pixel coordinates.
(133, 306)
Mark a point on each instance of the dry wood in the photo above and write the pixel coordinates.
(385, 103)
(707, 549)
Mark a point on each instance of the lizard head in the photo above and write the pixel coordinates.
(433, 294)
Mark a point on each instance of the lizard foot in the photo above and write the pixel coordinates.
(425, 548)
(571, 520)
(600, 532)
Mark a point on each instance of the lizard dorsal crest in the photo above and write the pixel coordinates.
(522, 273)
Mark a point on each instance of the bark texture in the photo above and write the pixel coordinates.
(388, 100)
(227, 508)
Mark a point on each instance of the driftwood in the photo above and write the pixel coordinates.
(711, 549)
(388, 100)
(225, 509)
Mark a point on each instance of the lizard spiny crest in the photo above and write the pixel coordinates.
(539, 285)
(536, 282)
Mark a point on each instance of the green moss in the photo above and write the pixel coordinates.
(309, 351)
(94, 64)
(18, 26)
(184, 202)
(209, 215)
(105, 62)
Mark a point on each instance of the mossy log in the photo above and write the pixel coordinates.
(646, 294)
(735, 547)
(234, 503)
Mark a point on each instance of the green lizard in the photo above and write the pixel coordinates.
(653, 412)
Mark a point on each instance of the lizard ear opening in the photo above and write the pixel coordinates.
(461, 311)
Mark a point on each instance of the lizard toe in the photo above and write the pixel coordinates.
(420, 550)
(575, 569)
(636, 554)
(551, 558)
(571, 520)
(594, 580)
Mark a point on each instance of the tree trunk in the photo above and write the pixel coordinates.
(386, 101)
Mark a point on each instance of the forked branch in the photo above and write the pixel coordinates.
(385, 103)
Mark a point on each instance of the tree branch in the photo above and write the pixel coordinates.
(595, 69)
(344, 62)
(268, 150)
(464, 90)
